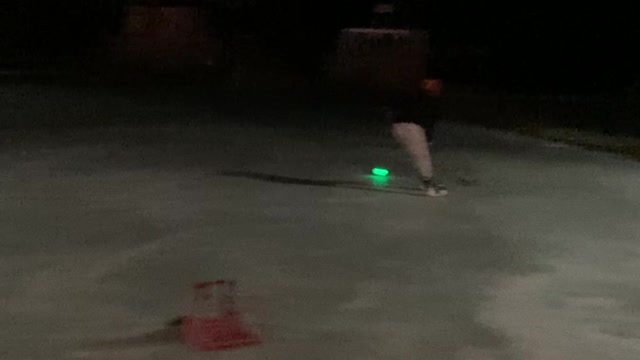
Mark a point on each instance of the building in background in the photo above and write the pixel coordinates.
(385, 55)
(164, 34)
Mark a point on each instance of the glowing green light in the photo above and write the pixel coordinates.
(380, 172)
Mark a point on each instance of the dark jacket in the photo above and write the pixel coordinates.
(416, 107)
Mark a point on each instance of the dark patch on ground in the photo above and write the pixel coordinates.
(356, 185)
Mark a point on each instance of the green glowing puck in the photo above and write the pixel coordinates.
(380, 172)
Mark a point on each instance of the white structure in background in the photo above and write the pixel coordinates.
(382, 55)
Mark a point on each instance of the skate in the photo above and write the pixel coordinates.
(433, 189)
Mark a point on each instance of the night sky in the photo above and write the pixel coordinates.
(526, 43)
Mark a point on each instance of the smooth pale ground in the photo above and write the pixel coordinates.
(104, 231)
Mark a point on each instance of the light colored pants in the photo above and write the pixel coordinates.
(414, 140)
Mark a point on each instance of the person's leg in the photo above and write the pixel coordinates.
(431, 116)
(429, 128)
(432, 105)
(414, 140)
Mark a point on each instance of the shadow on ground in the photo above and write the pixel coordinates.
(356, 185)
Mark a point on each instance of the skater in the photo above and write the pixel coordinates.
(406, 113)
(431, 108)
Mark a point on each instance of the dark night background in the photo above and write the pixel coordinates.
(578, 47)
(527, 47)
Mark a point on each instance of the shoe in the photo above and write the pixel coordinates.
(433, 189)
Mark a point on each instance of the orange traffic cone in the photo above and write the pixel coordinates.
(213, 323)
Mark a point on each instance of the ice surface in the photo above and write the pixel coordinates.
(104, 230)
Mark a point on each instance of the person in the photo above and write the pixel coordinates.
(413, 116)
(432, 111)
